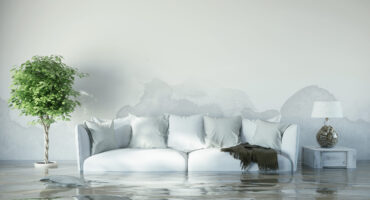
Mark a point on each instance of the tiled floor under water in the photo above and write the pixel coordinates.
(19, 180)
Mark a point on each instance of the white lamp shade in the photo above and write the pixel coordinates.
(327, 109)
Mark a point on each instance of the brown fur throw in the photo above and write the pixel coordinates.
(266, 158)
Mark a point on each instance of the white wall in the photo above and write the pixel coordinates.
(266, 50)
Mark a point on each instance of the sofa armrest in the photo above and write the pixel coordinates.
(290, 144)
(83, 146)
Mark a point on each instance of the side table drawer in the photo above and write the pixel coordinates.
(334, 159)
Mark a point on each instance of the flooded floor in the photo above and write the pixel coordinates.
(19, 180)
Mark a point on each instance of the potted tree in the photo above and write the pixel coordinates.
(42, 87)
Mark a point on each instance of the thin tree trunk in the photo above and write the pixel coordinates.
(46, 144)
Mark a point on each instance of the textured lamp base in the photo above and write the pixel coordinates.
(327, 137)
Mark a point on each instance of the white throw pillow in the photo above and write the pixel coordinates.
(122, 129)
(148, 132)
(102, 136)
(267, 135)
(222, 132)
(185, 133)
(249, 128)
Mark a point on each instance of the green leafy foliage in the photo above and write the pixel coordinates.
(42, 87)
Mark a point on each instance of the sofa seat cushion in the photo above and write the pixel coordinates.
(213, 159)
(137, 160)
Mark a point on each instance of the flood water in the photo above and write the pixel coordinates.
(19, 180)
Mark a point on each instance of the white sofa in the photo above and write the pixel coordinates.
(209, 159)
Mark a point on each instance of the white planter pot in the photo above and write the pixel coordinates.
(42, 165)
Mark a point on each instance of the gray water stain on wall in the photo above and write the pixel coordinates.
(158, 99)
(161, 98)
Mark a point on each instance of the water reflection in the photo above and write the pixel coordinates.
(100, 197)
(329, 181)
(23, 183)
(54, 191)
(64, 181)
(325, 190)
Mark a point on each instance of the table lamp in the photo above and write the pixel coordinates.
(327, 137)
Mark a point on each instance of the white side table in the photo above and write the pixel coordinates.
(336, 157)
